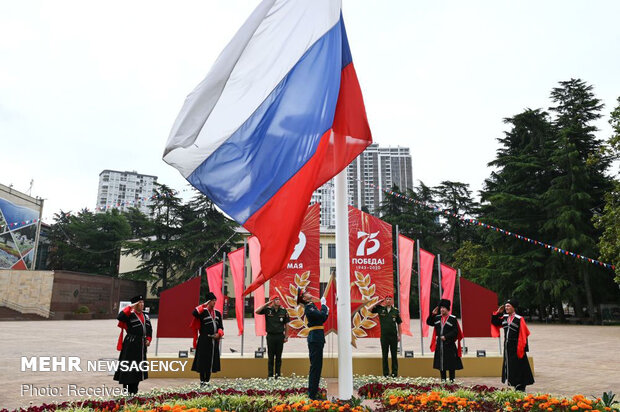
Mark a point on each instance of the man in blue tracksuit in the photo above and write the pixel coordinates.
(316, 338)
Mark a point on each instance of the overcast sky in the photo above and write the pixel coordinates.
(87, 86)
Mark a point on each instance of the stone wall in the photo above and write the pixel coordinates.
(27, 291)
(100, 294)
(59, 294)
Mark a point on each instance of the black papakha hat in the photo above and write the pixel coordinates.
(445, 303)
(211, 296)
(514, 302)
(136, 299)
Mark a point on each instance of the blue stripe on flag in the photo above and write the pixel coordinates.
(281, 135)
(346, 51)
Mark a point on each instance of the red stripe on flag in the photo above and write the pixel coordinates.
(349, 136)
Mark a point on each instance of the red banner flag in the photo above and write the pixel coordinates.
(477, 305)
(175, 309)
(448, 280)
(426, 277)
(370, 250)
(405, 263)
(302, 271)
(237, 265)
(259, 293)
(214, 279)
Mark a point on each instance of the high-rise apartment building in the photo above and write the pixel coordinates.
(381, 166)
(124, 190)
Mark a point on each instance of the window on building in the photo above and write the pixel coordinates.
(320, 251)
(322, 287)
(331, 250)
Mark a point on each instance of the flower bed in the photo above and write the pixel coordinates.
(549, 403)
(474, 399)
(312, 406)
(235, 394)
(289, 394)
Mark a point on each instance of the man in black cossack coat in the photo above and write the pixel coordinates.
(446, 334)
(133, 348)
(208, 321)
(515, 367)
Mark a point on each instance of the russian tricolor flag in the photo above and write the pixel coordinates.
(279, 114)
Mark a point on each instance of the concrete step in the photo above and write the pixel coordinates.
(10, 314)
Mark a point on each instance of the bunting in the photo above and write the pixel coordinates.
(508, 233)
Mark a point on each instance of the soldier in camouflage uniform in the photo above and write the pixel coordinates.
(276, 322)
(389, 319)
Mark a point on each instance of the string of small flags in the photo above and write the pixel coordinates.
(15, 225)
(497, 229)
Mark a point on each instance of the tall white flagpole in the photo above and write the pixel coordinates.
(343, 298)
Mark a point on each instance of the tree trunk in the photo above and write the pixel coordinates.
(577, 304)
(542, 313)
(591, 309)
(560, 309)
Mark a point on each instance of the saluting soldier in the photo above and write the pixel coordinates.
(515, 367)
(316, 338)
(389, 319)
(276, 321)
(446, 333)
(208, 321)
(133, 347)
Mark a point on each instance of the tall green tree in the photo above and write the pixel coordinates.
(609, 220)
(88, 242)
(414, 220)
(162, 252)
(141, 224)
(205, 231)
(578, 190)
(455, 198)
(512, 199)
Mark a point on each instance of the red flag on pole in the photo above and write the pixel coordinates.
(237, 263)
(175, 309)
(214, 279)
(448, 280)
(477, 304)
(405, 263)
(259, 293)
(426, 276)
(303, 271)
(372, 276)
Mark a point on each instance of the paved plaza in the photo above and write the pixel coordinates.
(568, 359)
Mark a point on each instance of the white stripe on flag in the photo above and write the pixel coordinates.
(259, 56)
